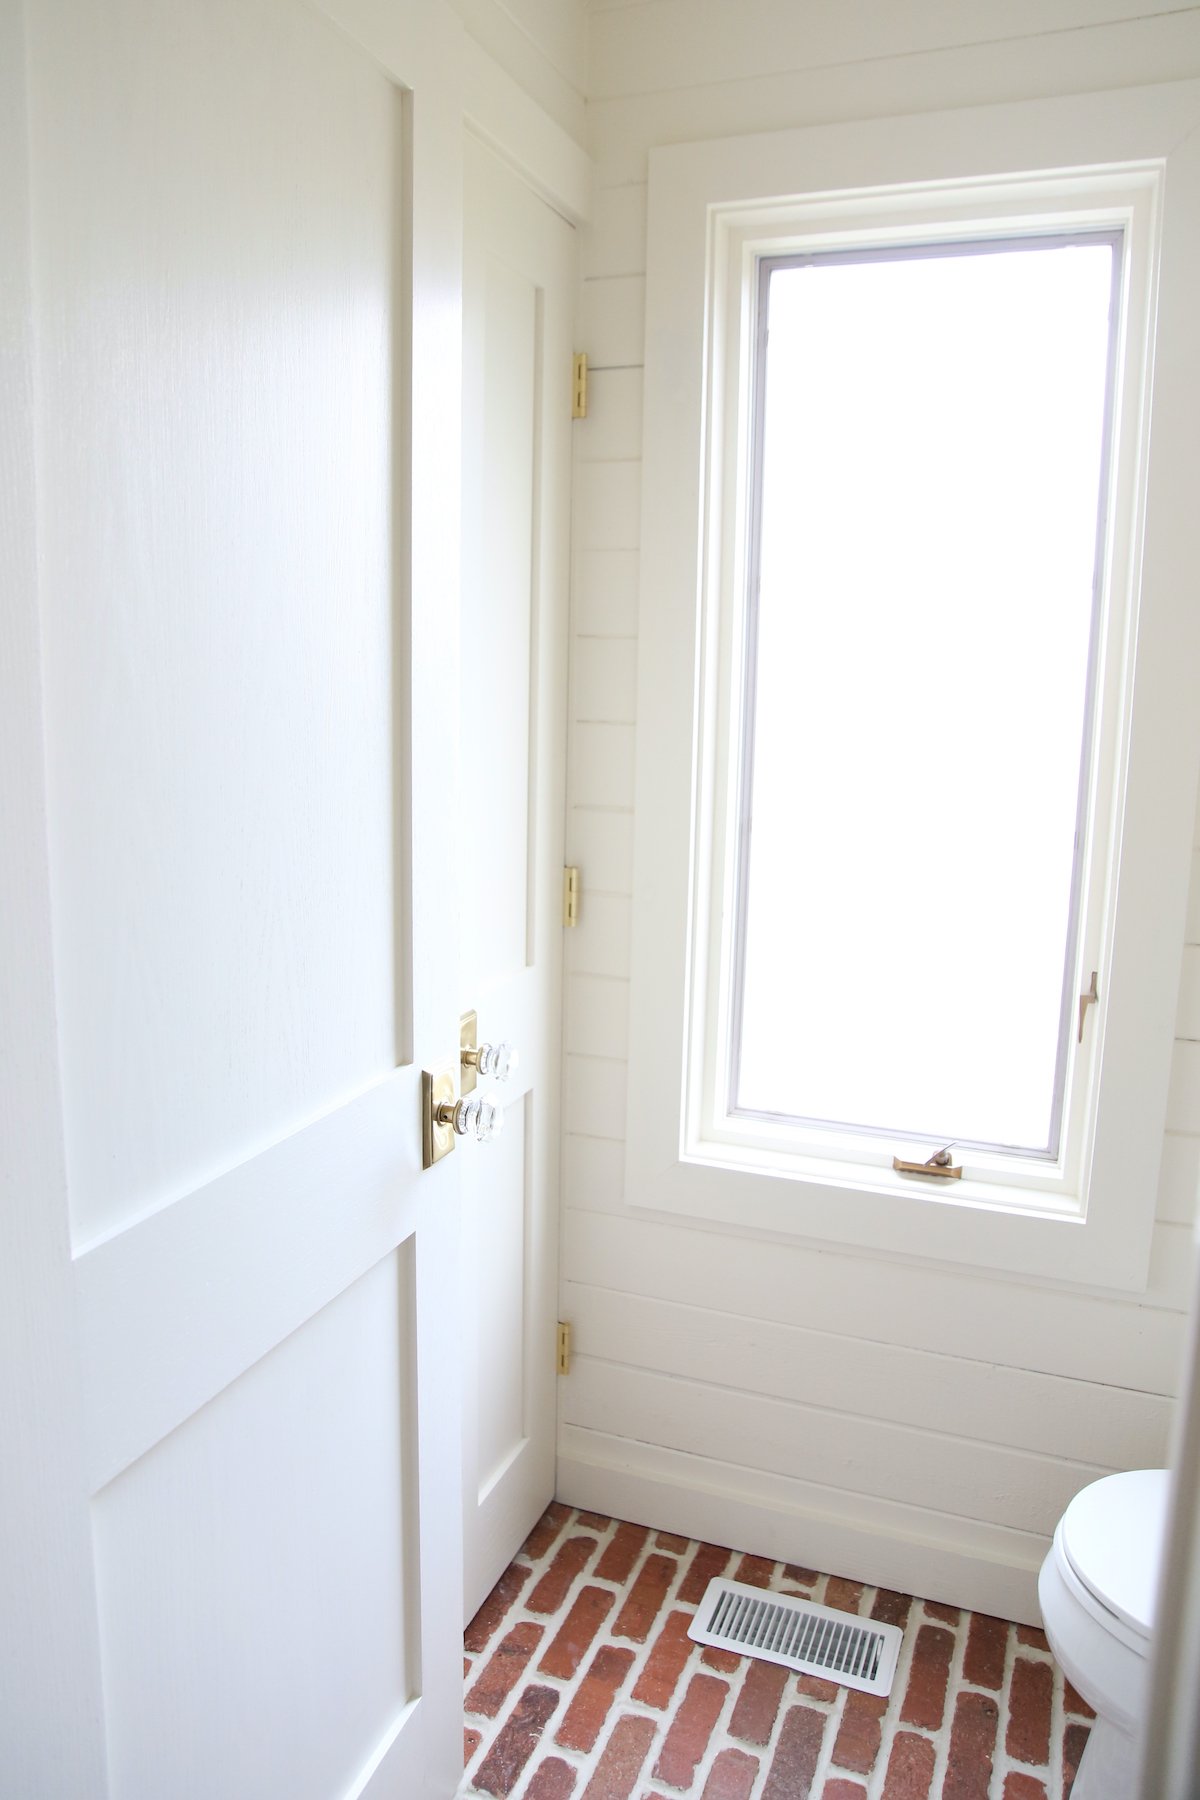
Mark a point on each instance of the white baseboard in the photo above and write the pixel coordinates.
(962, 1562)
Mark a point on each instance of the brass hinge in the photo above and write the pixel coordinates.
(572, 888)
(579, 385)
(564, 1348)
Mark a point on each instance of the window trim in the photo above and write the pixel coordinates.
(712, 209)
(1125, 200)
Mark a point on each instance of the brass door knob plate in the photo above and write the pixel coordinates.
(446, 1114)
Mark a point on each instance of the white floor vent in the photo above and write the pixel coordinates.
(812, 1639)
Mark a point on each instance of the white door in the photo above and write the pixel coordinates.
(250, 701)
(517, 288)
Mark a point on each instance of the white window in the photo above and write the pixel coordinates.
(928, 436)
(917, 743)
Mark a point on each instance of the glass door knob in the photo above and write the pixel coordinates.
(480, 1116)
(476, 1059)
(497, 1060)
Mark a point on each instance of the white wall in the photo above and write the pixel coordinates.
(541, 45)
(900, 1422)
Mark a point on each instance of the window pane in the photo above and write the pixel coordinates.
(930, 474)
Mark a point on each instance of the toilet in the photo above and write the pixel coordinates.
(1097, 1590)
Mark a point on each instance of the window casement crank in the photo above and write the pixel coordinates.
(1086, 1000)
(941, 1165)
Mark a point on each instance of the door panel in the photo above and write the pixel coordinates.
(175, 1307)
(278, 1494)
(249, 702)
(219, 618)
(518, 270)
(503, 1247)
(497, 642)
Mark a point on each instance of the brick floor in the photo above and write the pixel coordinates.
(582, 1684)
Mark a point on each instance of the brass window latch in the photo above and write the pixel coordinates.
(941, 1165)
(1086, 1000)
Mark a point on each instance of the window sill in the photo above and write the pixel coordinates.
(972, 1223)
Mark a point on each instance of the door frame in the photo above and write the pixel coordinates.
(511, 234)
(1170, 1738)
(49, 1664)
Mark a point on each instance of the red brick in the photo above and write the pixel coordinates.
(466, 1667)
(593, 1521)
(860, 1732)
(645, 1598)
(709, 1560)
(987, 1642)
(479, 1631)
(1033, 1636)
(817, 1689)
(555, 1584)
(731, 1776)
(1075, 1739)
(471, 1743)
(891, 1608)
(665, 1663)
(668, 1540)
(516, 1743)
(503, 1669)
(836, 1788)
(795, 1759)
(554, 1780)
(1074, 1702)
(623, 1551)
(972, 1741)
(755, 1571)
(621, 1761)
(580, 1626)
(1023, 1787)
(846, 1596)
(545, 1531)
(946, 1615)
(690, 1730)
(593, 1698)
(726, 1662)
(925, 1695)
(802, 1577)
(910, 1767)
(758, 1703)
(1028, 1737)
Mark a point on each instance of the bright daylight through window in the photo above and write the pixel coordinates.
(925, 539)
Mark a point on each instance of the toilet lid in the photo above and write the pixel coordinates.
(1112, 1534)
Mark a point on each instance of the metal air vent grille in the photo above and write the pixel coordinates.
(799, 1634)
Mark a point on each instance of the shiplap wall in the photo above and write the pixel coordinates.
(541, 45)
(901, 1422)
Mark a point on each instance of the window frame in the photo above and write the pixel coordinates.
(744, 518)
(1090, 162)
